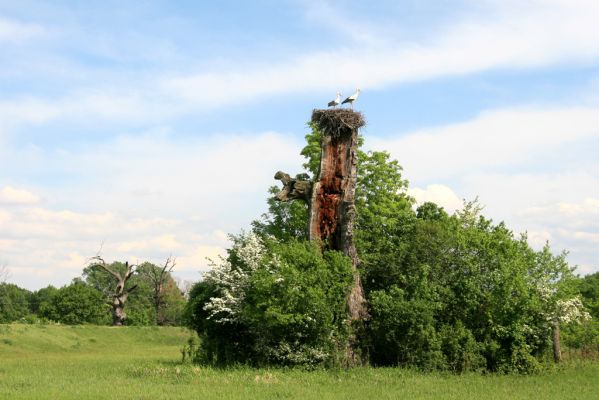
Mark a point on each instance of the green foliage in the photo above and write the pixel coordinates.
(14, 302)
(585, 336)
(403, 330)
(140, 307)
(77, 303)
(41, 301)
(589, 289)
(452, 292)
(482, 298)
(285, 220)
(272, 303)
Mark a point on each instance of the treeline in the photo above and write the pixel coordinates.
(87, 299)
(453, 292)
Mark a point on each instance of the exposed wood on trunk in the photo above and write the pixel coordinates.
(332, 211)
(120, 294)
(331, 199)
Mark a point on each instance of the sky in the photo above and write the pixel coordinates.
(144, 129)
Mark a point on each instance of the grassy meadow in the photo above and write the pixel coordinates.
(97, 362)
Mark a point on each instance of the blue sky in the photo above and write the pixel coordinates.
(154, 128)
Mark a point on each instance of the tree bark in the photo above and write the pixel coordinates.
(557, 351)
(120, 294)
(330, 198)
(333, 212)
(332, 207)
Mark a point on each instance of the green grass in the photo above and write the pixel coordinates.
(92, 362)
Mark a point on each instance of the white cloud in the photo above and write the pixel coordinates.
(440, 194)
(488, 37)
(554, 32)
(15, 32)
(11, 195)
(568, 214)
(198, 190)
(497, 138)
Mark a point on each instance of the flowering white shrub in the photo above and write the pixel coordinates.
(233, 280)
(570, 310)
(272, 303)
(562, 310)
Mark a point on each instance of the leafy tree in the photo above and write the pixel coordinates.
(77, 303)
(14, 302)
(166, 297)
(478, 281)
(589, 290)
(584, 336)
(42, 301)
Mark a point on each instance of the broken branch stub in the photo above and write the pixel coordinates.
(293, 188)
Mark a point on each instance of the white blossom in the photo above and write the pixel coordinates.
(570, 310)
(232, 281)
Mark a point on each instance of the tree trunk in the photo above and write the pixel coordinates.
(557, 351)
(332, 208)
(331, 202)
(118, 312)
(120, 294)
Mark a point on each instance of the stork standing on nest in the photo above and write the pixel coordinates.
(352, 98)
(336, 102)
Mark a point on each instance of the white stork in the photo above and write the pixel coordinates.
(336, 102)
(352, 98)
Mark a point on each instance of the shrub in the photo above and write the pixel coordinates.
(270, 303)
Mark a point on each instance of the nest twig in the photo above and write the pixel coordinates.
(338, 121)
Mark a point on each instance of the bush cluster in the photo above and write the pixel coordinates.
(272, 303)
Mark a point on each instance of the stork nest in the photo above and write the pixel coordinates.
(338, 122)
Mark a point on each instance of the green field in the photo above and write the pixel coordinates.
(91, 362)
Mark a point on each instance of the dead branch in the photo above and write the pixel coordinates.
(293, 188)
(120, 294)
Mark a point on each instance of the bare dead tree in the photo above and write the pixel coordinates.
(4, 273)
(120, 294)
(158, 278)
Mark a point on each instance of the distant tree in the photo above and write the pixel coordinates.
(14, 302)
(589, 290)
(119, 290)
(4, 273)
(161, 285)
(74, 304)
(42, 302)
(141, 302)
(583, 334)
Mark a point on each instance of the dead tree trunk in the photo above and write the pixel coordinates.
(120, 294)
(331, 199)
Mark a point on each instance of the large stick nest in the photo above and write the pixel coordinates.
(338, 121)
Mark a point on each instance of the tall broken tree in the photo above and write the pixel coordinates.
(330, 199)
(120, 294)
